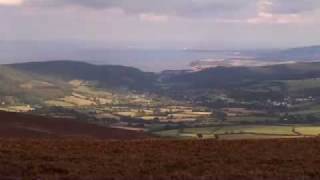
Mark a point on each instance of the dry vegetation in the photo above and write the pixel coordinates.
(160, 159)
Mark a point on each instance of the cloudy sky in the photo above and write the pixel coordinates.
(214, 24)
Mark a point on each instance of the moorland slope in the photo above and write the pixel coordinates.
(15, 125)
(293, 159)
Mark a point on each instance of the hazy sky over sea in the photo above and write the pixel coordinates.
(209, 24)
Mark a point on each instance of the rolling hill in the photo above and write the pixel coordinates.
(109, 76)
(223, 77)
(37, 82)
(24, 87)
(299, 54)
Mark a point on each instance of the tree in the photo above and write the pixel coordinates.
(216, 136)
(199, 135)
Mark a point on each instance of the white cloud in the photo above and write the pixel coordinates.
(265, 15)
(153, 18)
(10, 2)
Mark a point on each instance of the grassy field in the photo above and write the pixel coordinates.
(160, 159)
(254, 136)
(252, 118)
(168, 133)
(90, 91)
(299, 85)
(243, 132)
(78, 101)
(16, 108)
(293, 86)
(309, 130)
(59, 103)
(29, 88)
(308, 109)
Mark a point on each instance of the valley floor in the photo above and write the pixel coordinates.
(160, 159)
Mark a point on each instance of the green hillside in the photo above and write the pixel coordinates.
(223, 77)
(105, 75)
(22, 87)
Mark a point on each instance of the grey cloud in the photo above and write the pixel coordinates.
(58, 20)
(186, 8)
(294, 6)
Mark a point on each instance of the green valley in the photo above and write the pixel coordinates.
(256, 102)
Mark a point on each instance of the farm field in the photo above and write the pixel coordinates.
(160, 159)
(243, 132)
(313, 109)
(309, 130)
(299, 85)
(252, 118)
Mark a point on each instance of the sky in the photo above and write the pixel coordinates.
(201, 24)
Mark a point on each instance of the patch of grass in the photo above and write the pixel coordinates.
(30, 88)
(252, 118)
(234, 130)
(254, 136)
(78, 101)
(168, 133)
(300, 85)
(309, 131)
(244, 129)
(59, 103)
